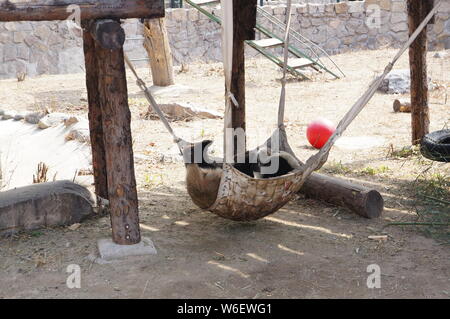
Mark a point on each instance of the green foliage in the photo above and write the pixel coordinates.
(374, 170)
(432, 206)
(336, 168)
(153, 180)
(404, 152)
(36, 233)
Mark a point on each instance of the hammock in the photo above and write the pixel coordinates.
(241, 197)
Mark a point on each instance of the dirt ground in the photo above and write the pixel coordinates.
(309, 249)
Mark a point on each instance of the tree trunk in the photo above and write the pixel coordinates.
(359, 199)
(158, 49)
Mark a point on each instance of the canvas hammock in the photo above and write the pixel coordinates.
(241, 197)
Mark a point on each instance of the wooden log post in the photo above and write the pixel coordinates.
(158, 48)
(116, 118)
(363, 201)
(95, 114)
(420, 119)
(244, 15)
(46, 10)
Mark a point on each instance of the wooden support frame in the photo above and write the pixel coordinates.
(420, 117)
(45, 10)
(244, 16)
(158, 49)
(111, 127)
(95, 115)
(109, 113)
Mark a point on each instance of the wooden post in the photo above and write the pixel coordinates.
(420, 119)
(363, 201)
(244, 14)
(116, 119)
(157, 45)
(95, 115)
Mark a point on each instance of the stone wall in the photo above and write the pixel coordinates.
(50, 47)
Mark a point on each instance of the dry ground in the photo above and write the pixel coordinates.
(307, 250)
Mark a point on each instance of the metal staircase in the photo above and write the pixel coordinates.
(304, 53)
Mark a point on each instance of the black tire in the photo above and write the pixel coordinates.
(436, 146)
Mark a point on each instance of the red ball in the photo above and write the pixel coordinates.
(319, 131)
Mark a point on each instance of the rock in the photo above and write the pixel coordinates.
(185, 111)
(399, 6)
(52, 119)
(44, 205)
(74, 226)
(9, 53)
(18, 117)
(34, 118)
(437, 55)
(341, 7)
(399, 82)
(7, 115)
(71, 121)
(79, 134)
(79, 130)
(302, 8)
(399, 17)
(398, 27)
(396, 82)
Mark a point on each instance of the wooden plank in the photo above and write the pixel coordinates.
(116, 120)
(158, 49)
(41, 10)
(95, 115)
(420, 118)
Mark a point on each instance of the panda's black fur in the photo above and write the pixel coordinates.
(286, 164)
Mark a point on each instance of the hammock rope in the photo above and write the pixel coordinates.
(282, 104)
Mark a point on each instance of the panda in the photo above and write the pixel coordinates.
(202, 174)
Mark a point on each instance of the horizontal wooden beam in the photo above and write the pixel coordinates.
(47, 10)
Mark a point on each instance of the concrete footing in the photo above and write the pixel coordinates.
(110, 251)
